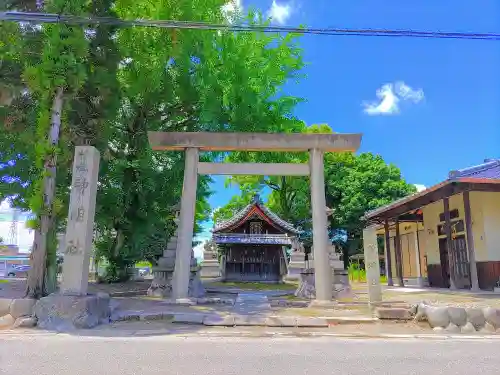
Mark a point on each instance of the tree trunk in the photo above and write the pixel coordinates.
(50, 283)
(35, 287)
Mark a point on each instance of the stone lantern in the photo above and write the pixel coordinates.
(210, 267)
(164, 271)
(340, 279)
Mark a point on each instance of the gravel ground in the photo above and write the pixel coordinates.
(15, 289)
(156, 327)
(157, 305)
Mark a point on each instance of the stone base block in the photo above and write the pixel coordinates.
(62, 312)
(393, 313)
(25, 322)
(5, 306)
(281, 321)
(6, 321)
(342, 291)
(224, 321)
(306, 321)
(294, 270)
(22, 307)
(250, 320)
(196, 288)
(319, 304)
(161, 286)
(307, 287)
(181, 301)
(188, 318)
(210, 268)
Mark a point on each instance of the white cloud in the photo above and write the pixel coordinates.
(280, 13)
(232, 9)
(420, 187)
(390, 95)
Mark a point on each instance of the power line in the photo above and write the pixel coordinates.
(170, 24)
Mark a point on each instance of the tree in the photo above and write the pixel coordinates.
(237, 203)
(355, 184)
(57, 76)
(87, 106)
(115, 86)
(181, 81)
(289, 195)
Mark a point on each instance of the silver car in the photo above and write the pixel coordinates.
(17, 270)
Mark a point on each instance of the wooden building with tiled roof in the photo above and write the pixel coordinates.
(253, 244)
(448, 235)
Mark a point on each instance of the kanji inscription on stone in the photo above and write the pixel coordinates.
(81, 184)
(80, 225)
(73, 248)
(81, 162)
(80, 214)
(372, 264)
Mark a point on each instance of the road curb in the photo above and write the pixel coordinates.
(12, 334)
(233, 320)
(342, 335)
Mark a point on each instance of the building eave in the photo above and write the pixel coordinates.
(443, 189)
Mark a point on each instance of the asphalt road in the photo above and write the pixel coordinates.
(65, 354)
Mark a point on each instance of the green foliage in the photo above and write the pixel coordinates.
(237, 203)
(118, 84)
(355, 184)
(289, 197)
(357, 274)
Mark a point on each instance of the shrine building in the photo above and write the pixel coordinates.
(254, 244)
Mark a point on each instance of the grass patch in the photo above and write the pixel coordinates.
(253, 286)
(291, 297)
(359, 274)
(143, 264)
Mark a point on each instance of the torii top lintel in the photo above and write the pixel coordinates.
(298, 142)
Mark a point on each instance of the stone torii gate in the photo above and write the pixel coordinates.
(193, 143)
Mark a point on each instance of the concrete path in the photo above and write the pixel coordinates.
(65, 354)
(251, 303)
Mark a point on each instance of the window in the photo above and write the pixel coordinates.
(454, 214)
(256, 227)
(456, 227)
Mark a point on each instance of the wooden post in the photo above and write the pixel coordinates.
(420, 280)
(447, 228)
(399, 260)
(388, 259)
(470, 243)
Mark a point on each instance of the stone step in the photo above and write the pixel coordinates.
(251, 303)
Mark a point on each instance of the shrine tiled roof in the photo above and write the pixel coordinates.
(489, 170)
(256, 202)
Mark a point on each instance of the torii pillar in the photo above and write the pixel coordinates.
(315, 144)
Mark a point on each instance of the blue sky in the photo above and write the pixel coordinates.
(439, 107)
